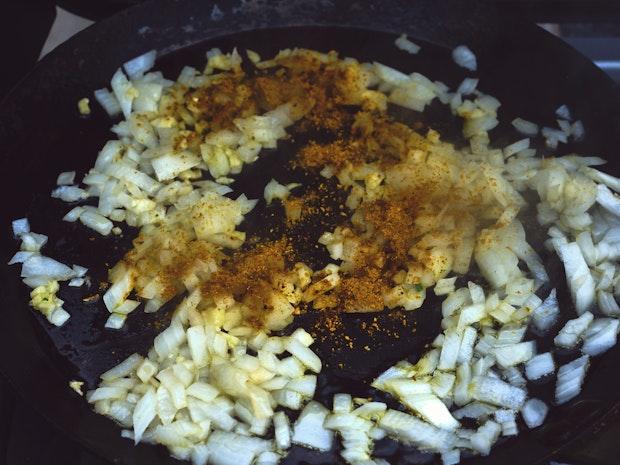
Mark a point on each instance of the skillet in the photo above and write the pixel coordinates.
(41, 134)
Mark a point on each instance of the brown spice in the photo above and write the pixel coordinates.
(248, 277)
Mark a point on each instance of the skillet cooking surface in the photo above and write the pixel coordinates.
(42, 134)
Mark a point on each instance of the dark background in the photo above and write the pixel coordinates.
(593, 27)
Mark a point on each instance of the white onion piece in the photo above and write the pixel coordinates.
(21, 257)
(96, 222)
(516, 147)
(304, 354)
(570, 378)
(123, 91)
(58, 317)
(33, 242)
(38, 265)
(108, 101)
(74, 214)
(309, 431)
(485, 437)
(123, 369)
(578, 130)
(144, 413)
(563, 112)
(572, 331)
(534, 412)
(525, 127)
(69, 193)
(601, 336)
(578, 274)
(65, 178)
(405, 44)
(20, 226)
(410, 429)
(514, 354)
(539, 366)
(432, 409)
(235, 449)
(475, 410)
(495, 391)
(464, 57)
(468, 86)
(282, 430)
(136, 67)
(546, 315)
(115, 321)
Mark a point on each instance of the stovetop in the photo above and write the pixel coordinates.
(26, 438)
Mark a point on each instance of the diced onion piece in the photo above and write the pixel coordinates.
(525, 127)
(58, 317)
(309, 431)
(65, 178)
(144, 413)
(539, 366)
(123, 91)
(465, 58)
(411, 430)
(515, 354)
(405, 44)
(115, 321)
(136, 67)
(570, 379)
(546, 314)
(282, 430)
(534, 412)
(21, 257)
(124, 368)
(97, 222)
(572, 331)
(495, 391)
(600, 336)
(563, 112)
(38, 265)
(304, 354)
(485, 437)
(578, 274)
(108, 101)
(516, 147)
(432, 409)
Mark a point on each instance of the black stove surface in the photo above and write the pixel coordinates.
(26, 438)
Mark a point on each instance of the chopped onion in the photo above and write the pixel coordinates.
(570, 378)
(38, 265)
(572, 331)
(411, 430)
(516, 147)
(539, 366)
(137, 66)
(405, 44)
(65, 178)
(20, 227)
(563, 112)
(108, 101)
(309, 431)
(96, 222)
(600, 336)
(495, 391)
(465, 58)
(534, 412)
(578, 274)
(525, 127)
(546, 314)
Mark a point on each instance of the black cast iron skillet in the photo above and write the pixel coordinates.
(42, 134)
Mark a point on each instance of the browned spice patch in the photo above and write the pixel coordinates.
(248, 277)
